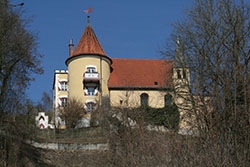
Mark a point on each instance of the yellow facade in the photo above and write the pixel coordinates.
(60, 88)
(132, 98)
(63, 77)
(77, 67)
(181, 83)
(122, 97)
(89, 52)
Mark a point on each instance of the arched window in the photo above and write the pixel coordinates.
(167, 99)
(184, 74)
(90, 105)
(144, 99)
(91, 69)
(179, 74)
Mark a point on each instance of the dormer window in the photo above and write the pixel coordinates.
(91, 69)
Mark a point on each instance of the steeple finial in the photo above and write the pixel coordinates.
(178, 41)
(88, 11)
(179, 57)
(178, 45)
(88, 21)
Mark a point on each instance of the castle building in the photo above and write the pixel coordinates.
(93, 75)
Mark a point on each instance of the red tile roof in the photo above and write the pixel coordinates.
(89, 44)
(141, 73)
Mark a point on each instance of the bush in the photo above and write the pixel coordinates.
(73, 113)
(167, 116)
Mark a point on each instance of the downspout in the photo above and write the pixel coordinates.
(100, 99)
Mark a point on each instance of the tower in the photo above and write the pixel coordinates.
(88, 70)
(181, 83)
(181, 73)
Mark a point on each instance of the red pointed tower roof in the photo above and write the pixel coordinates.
(88, 44)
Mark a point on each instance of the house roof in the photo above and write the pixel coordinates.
(89, 44)
(141, 73)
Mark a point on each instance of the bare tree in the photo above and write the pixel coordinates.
(72, 113)
(47, 102)
(215, 46)
(19, 57)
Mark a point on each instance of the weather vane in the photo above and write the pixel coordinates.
(88, 11)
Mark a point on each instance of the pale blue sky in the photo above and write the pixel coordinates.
(125, 29)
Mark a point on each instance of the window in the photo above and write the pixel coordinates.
(167, 99)
(41, 117)
(90, 106)
(179, 74)
(184, 74)
(64, 102)
(91, 70)
(64, 86)
(144, 99)
(90, 91)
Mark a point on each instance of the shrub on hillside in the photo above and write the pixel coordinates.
(73, 113)
(167, 116)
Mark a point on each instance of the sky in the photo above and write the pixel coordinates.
(125, 29)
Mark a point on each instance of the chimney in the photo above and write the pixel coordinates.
(71, 47)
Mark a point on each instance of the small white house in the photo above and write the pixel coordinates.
(42, 120)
